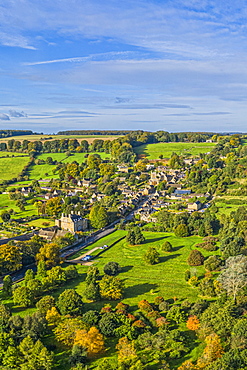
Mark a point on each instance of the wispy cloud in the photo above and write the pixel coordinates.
(4, 117)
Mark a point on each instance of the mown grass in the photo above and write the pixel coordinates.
(12, 166)
(153, 151)
(78, 157)
(42, 171)
(12, 154)
(6, 204)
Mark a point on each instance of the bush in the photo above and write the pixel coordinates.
(112, 268)
(212, 263)
(187, 275)
(167, 247)
(195, 258)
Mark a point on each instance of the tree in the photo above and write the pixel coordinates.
(70, 303)
(41, 270)
(45, 304)
(135, 236)
(234, 277)
(7, 285)
(78, 355)
(195, 258)
(126, 350)
(10, 258)
(92, 274)
(53, 206)
(50, 254)
(112, 268)
(92, 340)
(111, 288)
(53, 317)
(167, 247)
(23, 296)
(98, 216)
(193, 323)
(212, 351)
(5, 216)
(151, 256)
(212, 263)
(92, 291)
(5, 315)
(65, 331)
(181, 230)
(29, 275)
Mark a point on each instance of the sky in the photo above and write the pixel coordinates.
(178, 65)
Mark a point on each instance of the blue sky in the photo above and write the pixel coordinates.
(178, 65)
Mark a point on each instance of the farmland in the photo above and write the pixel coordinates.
(78, 157)
(43, 138)
(153, 151)
(12, 166)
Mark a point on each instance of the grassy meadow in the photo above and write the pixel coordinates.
(153, 151)
(12, 166)
(43, 138)
(78, 157)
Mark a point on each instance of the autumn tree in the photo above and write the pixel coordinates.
(50, 254)
(195, 258)
(53, 317)
(126, 350)
(65, 331)
(23, 296)
(53, 206)
(92, 340)
(111, 288)
(193, 323)
(10, 258)
(212, 351)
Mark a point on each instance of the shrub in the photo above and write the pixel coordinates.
(112, 268)
(195, 258)
(167, 247)
(212, 263)
(187, 275)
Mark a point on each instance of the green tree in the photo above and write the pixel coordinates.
(7, 285)
(167, 247)
(111, 288)
(23, 296)
(112, 268)
(181, 230)
(92, 291)
(98, 217)
(70, 303)
(5, 216)
(92, 274)
(45, 304)
(151, 256)
(195, 258)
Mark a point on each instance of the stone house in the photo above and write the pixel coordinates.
(72, 223)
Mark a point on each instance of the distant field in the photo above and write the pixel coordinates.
(12, 154)
(230, 206)
(43, 138)
(12, 166)
(42, 171)
(153, 151)
(143, 281)
(78, 157)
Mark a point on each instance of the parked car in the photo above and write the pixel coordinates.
(87, 258)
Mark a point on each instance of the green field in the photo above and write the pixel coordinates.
(153, 151)
(42, 171)
(78, 157)
(11, 167)
(144, 281)
(12, 154)
(6, 204)
(43, 138)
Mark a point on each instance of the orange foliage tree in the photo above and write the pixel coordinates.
(92, 340)
(212, 351)
(193, 323)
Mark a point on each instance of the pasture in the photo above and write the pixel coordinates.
(43, 138)
(153, 151)
(10, 167)
(78, 157)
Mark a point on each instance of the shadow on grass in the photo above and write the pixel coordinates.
(147, 241)
(174, 249)
(139, 289)
(170, 257)
(126, 268)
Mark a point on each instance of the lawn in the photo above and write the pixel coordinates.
(153, 151)
(42, 171)
(227, 208)
(144, 281)
(39, 222)
(12, 166)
